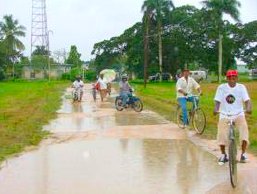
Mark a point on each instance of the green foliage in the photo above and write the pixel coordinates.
(74, 57)
(10, 45)
(40, 50)
(90, 75)
(74, 73)
(246, 43)
(189, 36)
(161, 97)
(20, 128)
(39, 62)
(2, 74)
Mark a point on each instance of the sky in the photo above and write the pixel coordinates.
(86, 22)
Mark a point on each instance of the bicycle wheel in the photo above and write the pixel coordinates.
(75, 96)
(138, 105)
(118, 104)
(179, 117)
(199, 120)
(232, 163)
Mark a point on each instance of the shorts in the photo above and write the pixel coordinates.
(240, 125)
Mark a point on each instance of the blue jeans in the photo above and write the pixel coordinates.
(124, 96)
(183, 103)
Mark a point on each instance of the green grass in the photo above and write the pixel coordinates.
(24, 108)
(161, 97)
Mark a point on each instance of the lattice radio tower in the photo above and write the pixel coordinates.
(39, 32)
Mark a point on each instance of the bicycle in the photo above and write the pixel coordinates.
(76, 94)
(195, 114)
(232, 149)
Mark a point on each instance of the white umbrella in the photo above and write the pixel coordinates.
(109, 75)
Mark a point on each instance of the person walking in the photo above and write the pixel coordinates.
(102, 87)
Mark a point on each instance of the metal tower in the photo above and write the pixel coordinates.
(39, 32)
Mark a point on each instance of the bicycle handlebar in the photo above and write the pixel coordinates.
(230, 115)
(191, 95)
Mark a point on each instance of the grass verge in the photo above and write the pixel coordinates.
(24, 108)
(161, 98)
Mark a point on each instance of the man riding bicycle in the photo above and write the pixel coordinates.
(229, 99)
(184, 87)
(78, 84)
(125, 89)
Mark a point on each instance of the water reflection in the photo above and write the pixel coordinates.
(77, 108)
(124, 144)
(112, 166)
(127, 118)
(187, 166)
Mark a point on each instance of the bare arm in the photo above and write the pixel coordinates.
(199, 91)
(182, 92)
(216, 108)
(248, 106)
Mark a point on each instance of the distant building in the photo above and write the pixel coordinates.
(85, 66)
(242, 68)
(56, 71)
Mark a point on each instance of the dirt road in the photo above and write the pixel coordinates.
(96, 150)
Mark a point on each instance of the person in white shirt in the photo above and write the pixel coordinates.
(185, 87)
(78, 84)
(102, 86)
(230, 99)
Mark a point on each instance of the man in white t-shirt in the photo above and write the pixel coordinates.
(78, 84)
(185, 87)
(230, 99)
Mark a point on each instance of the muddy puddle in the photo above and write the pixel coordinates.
(94, 149)
(112, 166)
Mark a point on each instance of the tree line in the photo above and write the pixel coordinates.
(170, 38)
(12, 59)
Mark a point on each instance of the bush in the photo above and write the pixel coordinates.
(2, 74)
(72, 74)
(90, 75)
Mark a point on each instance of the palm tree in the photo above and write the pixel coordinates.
(158, 9)
(10, 31)
(218, 8)
(146, 20)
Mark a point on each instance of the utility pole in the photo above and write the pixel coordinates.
(220, 58)
(49, 54)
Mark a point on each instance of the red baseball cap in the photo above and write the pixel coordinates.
(232, 73)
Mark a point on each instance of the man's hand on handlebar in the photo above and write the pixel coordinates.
(248, 111)
(215, 112)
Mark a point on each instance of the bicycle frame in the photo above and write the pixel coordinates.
(194, 114)
(232, 149)
(194, 104)
(231, 124)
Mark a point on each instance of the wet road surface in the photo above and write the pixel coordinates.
(96, 150)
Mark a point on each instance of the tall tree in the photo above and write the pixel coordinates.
(158, 9)
(10, 31)
(74, 57)
(40, 50)
(218, 8)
